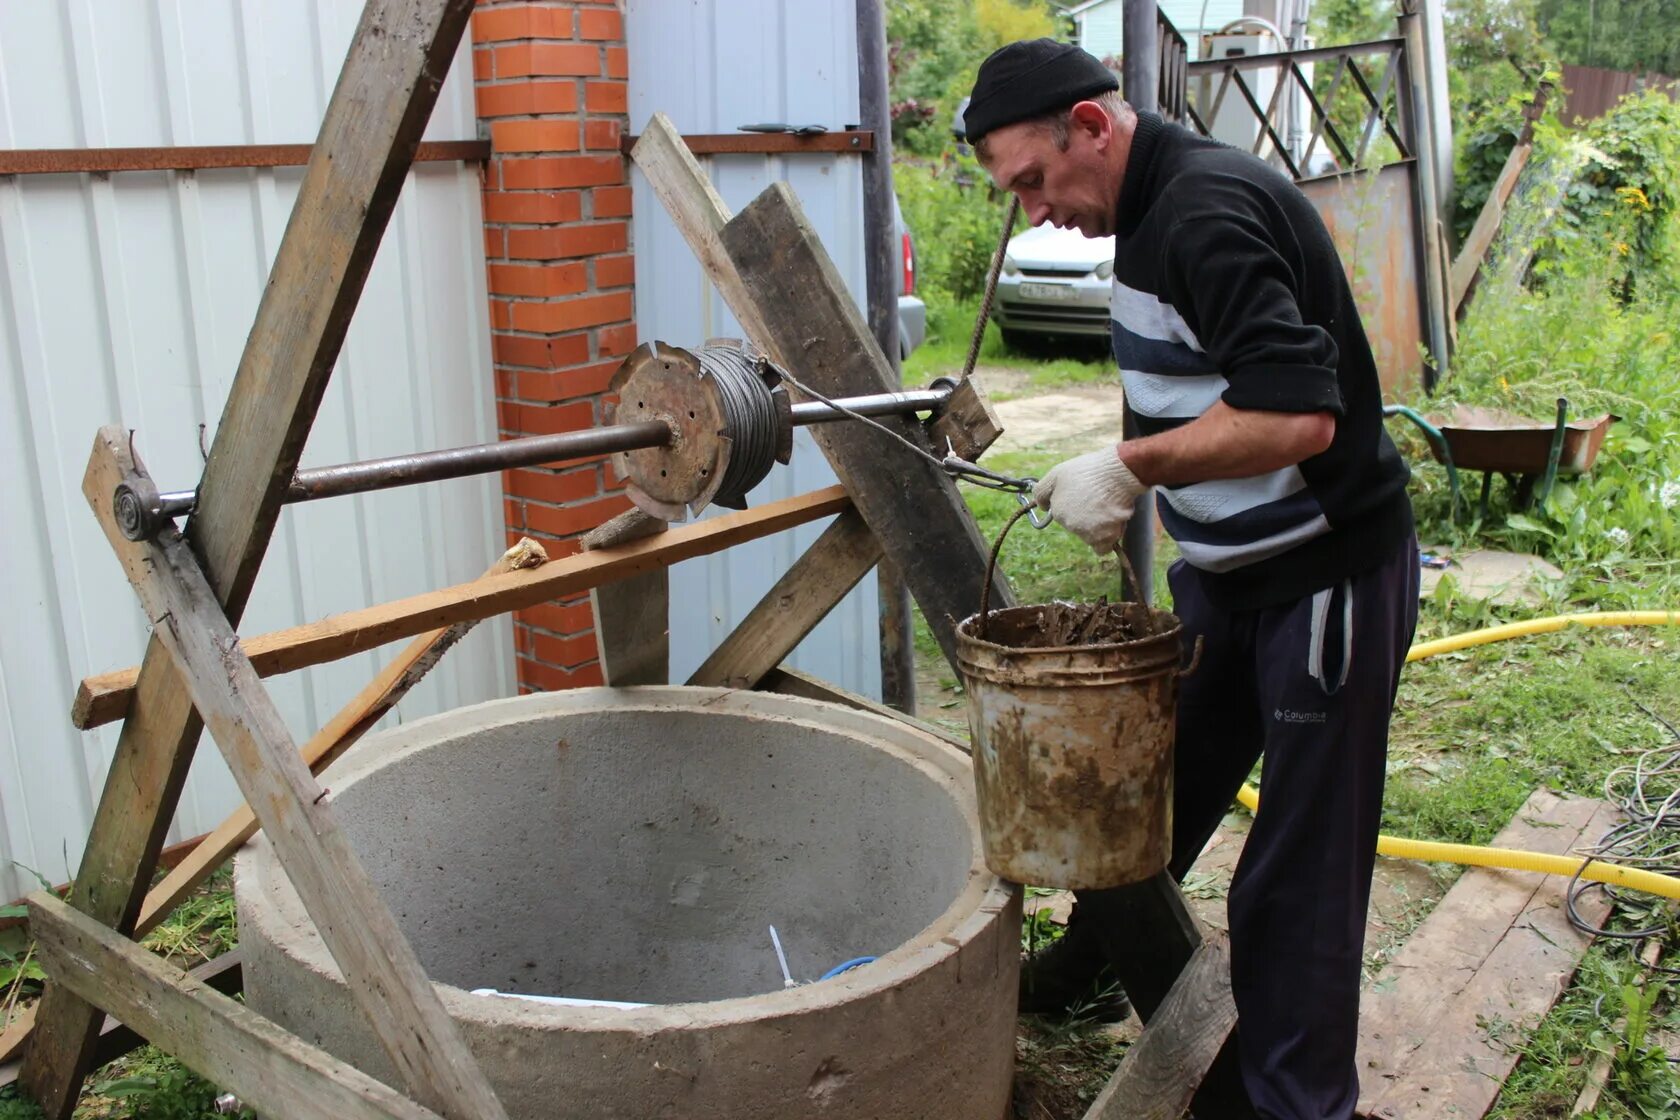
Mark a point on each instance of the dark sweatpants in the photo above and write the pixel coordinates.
(1311, 684)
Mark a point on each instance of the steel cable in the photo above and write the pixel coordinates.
(749, 420)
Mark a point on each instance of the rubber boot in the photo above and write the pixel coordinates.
(1071, 977)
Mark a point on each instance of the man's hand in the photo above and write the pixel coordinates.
(1092, 496)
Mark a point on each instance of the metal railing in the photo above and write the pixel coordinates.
(1173, 95)
(1344, 101)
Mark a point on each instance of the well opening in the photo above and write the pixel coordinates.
(642, 855)
(636, 845)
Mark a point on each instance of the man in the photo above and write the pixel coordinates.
(1252, 385)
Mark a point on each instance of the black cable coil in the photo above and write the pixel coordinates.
(749, 420)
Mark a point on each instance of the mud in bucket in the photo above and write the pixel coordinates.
(1070, 709)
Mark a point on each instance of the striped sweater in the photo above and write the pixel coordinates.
(1228, 287)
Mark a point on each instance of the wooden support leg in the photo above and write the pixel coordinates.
(791, 609)
(632, 616)
(772, 270)
(270, 1070)
(378, 111)
(340, 733)
(385, 976)
(354, 720)
(1151, 939)
(1159, 1075)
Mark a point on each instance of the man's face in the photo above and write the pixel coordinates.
(1071, 189)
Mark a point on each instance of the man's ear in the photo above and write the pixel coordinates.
(1092, 119)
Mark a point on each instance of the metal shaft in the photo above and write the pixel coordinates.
(461, 462)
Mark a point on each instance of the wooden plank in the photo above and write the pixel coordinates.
(632, 616)
(385, 92)
(791, 609)
(107, 697)
(968, 425)
(1476, 244)
(385, 977)
(792, 304)
(354, 720)
(224, 973)
(791, 682)
(1498, 949)
(911, 505)
(64, 161)
(1160, 1073)
(270, 1070)
(1598, 1074)
(768, 143)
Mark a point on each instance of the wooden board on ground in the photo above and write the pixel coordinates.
(1439, 1026)
(218, 1038)
(1160, 1073)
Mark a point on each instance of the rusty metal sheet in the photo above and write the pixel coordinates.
(1371, 217)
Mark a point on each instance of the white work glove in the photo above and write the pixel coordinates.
(1092, 495)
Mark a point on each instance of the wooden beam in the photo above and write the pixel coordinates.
(107, 697)
(268, 1069)
(773, 272)
(699, 213)
(791, 609)
(224, 973)
(65, 161)
(1151, 937)
(385, 976)
(912, 506)
(632, 616)
(354, 720)
(385, 92)
(1470, 255)
(1159, 1074)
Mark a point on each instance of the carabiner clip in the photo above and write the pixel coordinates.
(1025, 498)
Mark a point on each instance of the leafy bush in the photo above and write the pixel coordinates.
(955, 217)
(1584, 330)
(1628, 187)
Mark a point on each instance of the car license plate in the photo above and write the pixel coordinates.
(1049, 291)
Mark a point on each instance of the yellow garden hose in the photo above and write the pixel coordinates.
(1434, 851)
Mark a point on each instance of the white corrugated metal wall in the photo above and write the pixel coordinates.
(712, 66)
(127, 299)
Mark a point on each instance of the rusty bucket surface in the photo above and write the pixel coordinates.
(1072, 749)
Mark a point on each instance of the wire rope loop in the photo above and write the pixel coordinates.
(749, 417)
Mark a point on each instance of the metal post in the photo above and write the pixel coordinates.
(881, 262)
(1414, 102)
(1141, 81)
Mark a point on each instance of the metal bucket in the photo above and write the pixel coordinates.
(1073, 749)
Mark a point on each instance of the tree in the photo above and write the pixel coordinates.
(1614, 34)
(934, 48)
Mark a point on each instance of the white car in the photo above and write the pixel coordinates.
(1054, 282)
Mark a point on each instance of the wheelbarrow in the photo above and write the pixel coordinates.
(1530, 455)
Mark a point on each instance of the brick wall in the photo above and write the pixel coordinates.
(551, 89)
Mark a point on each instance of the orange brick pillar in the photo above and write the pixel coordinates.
(551, 89)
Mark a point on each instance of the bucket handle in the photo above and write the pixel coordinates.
(1125, 567)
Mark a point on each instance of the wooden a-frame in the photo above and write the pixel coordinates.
(771, 268)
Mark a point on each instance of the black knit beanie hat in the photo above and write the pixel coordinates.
(1031, 78)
